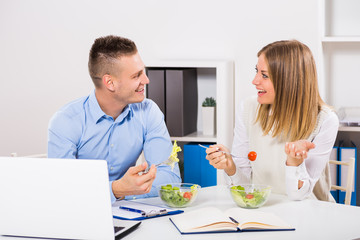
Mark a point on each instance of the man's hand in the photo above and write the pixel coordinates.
(134, 184)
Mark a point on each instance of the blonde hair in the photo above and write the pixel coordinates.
(292, 70)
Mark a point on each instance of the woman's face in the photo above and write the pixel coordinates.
(262, 82)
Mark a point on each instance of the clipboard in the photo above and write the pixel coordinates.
(131, 210)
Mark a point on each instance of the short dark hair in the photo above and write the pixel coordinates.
(103, 53)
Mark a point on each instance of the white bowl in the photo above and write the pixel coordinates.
(250, 195)
(178, 195)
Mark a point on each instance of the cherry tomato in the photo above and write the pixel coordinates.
(252, 156)
(187, 195)
(249, 196)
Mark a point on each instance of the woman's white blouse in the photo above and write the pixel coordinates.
(308, 172)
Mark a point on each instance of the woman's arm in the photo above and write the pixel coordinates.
(240, 149)
(237, 169)
(302, 177)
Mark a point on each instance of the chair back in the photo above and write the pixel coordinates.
(347, 188)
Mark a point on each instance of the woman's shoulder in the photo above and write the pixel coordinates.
(328, 118)
(328, 113)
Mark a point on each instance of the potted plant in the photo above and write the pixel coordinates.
(208, 116)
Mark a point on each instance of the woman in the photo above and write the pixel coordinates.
(289, 127)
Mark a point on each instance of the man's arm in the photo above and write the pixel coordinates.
(157, 148)
(62, 135)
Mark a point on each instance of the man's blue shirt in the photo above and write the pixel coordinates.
(82, 130)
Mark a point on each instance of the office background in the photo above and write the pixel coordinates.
(45, 44)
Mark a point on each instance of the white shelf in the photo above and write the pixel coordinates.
(224, 77)
(224, 97)
(188, 63)
(339, 42)
(340, 18)
(341, 39)
(349, 129)
(195, 137)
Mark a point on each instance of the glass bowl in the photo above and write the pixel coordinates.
(178, 195)
(250, 195)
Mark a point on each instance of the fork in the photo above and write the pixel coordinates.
(220, 151)
(156, 165)
(148, 168)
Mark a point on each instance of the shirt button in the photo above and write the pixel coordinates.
(112, 145)
(111, 168)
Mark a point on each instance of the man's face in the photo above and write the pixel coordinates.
(130, 79)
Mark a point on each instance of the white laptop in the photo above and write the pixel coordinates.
(56, 198)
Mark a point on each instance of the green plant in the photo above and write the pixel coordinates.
(209, 102)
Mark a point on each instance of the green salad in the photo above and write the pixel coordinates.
(251, 199)
(176, 197)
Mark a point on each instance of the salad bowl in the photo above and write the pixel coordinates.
(178, 195)
(250, 195)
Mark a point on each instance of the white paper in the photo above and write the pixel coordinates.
(117, 211)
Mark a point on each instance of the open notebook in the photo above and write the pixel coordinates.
(211, 220)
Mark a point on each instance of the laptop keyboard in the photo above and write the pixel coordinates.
(116, 229)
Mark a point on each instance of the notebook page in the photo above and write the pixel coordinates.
(265, 218)
(192, 220)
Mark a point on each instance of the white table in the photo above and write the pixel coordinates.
(312, 219)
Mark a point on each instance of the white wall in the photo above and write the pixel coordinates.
(341, 59)
(44, 47)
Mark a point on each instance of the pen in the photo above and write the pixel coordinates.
(133, 210)
(234, 220)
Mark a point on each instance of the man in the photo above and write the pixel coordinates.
(116, 123)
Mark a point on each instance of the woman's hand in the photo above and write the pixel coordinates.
(220, 160)
(297, 151)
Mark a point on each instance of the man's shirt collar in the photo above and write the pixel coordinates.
(98, 114)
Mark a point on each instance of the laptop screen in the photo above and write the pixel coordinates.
(55, 198)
